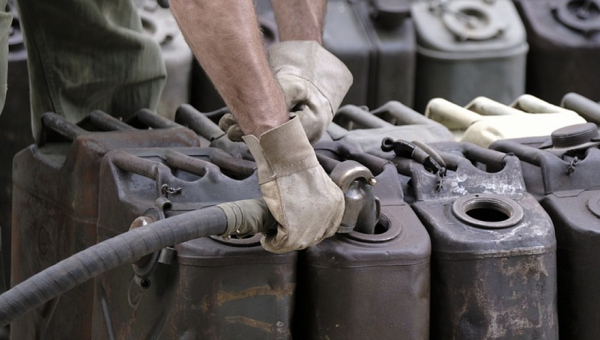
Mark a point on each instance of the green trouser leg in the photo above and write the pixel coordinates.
(86, 55)
(5, 21)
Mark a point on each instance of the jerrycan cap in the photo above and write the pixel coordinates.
(579, 15)
(574, 135)
(487, 211)
(471, 20)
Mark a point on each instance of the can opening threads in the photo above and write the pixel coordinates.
(487, 211)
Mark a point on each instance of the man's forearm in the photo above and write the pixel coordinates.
(226, 40)
(300, 19)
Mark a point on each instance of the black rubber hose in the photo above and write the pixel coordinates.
(117, 251)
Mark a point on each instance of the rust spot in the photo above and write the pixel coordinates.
(222, 297)
(238, 319)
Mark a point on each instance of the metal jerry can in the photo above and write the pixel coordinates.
(483, 121)
(15, 132)
(468, 48)
(564, 42)
(55, 206)
(364, 130)
(562, 171)
(161, 26)
(376, 41)
(371, 283)
(493, 272)
(207, 288)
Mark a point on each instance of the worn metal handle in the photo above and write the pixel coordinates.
(586, 108)
(351, 117)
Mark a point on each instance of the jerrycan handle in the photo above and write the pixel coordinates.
(397, 113)
(586, 108)
(450, 115)
(56, 128)
(488, 107)
(390, 14)
(225, 161)
(469, 20)
(474, 153)
(579, 15)
(144, 167)
(351, 117)
(153, 120)
(525, 153)
(531, 104)
(205, 127)
(341, 150)
(198, 122)
(107, 122)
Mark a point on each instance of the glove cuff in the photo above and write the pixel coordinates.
(309, 60)
(281, 151)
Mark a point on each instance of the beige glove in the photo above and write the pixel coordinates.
(314, 83)
(302, 198)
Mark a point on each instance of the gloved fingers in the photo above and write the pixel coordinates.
(310, 104)
(302, 198)
(307, 214)
(228, 124)
(310, 61)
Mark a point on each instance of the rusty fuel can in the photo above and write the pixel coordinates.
(493, 272)
(372, 282)
(564, 41)
(362, 129)
(562, 171)
(55, 206)
(209, 288)
(468, 48)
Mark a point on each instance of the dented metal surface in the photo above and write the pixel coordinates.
(55, 207)
(366, 285)
(494, 276)
(214, 287)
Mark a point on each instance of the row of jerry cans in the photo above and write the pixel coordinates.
(63, 203)
(560, 170)
(461, 250)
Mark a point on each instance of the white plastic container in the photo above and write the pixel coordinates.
(483, 121)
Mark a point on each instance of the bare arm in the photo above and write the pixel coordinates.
(300, 19)
(226, 40)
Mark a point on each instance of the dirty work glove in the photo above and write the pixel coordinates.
(314, 83)
(306, 203)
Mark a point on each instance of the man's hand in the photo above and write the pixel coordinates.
(314, 83)
(302, 198)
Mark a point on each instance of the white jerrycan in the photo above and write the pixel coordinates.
(484, 121)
